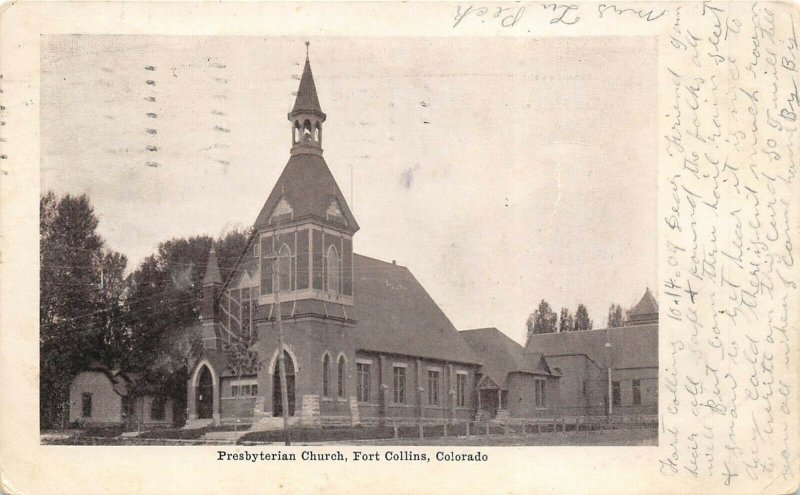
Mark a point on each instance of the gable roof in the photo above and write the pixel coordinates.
(396, 315)
(308, 186)
(631, 346)
(501, 355)
(120, 380)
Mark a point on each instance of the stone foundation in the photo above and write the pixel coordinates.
(309, 412)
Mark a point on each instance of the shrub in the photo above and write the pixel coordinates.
(103, 431)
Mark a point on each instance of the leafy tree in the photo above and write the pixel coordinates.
(165, 302)
(166, 292)
(543, 320)
(615, 318)
(582, 321)
(566, 322)
(242, 356)
(81, 300)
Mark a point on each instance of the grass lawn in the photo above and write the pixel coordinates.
(634, 437)
(637, 437)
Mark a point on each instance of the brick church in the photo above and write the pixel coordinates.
(362, 337)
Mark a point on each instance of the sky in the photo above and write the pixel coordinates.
(500, 171)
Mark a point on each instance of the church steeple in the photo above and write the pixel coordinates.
(306, 115)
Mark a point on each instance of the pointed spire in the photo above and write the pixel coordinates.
(645, 312)
(307, 101)
(646, 305)
(212, 275)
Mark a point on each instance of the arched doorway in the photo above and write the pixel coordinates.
(277, 402)
(205, 394)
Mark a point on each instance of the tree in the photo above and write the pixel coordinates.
(242, 355)
(165, 301)
(566, 322)
(615, 318)
(81, 300)
(543, 320)
(582, 321)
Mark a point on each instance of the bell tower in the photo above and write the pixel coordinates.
(305, 229)
(306, 116)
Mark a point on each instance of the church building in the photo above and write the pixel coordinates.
(362, 337)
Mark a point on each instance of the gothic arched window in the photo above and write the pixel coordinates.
(307, 131)
(284, 269)
(332, 262)
(326, 365)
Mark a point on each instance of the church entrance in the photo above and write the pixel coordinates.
(205, 394)
(277, 402)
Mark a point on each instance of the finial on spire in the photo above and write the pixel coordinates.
(308, 43)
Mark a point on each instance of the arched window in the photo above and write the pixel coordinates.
(340, 385)
(307, 131)
(296, 132)
(318, 133)
(326, 373)
(332, 262)
(284, 269)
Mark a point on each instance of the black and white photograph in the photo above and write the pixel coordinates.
(386, 247)
(398, 241)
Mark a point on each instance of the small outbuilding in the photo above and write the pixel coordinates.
(99, 396)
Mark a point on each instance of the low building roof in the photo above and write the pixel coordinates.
(631, 346)
(120, 380)
(396, 315)
(502, 355)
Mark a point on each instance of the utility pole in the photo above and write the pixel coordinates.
(608, 362)
(281, 361)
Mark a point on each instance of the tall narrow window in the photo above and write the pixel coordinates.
(245, 309)
(284, 269)
(399, 385)
(86, 405)
(332, 261)
(461, 390)
(616, 394)
(158, 409)
(637, 392)
(340, 384)
(362, 370)
(326, 365)
(433, 387)
(540, 393)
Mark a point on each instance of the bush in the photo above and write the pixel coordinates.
(102, 431)
(320, 434)
(175, 433)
